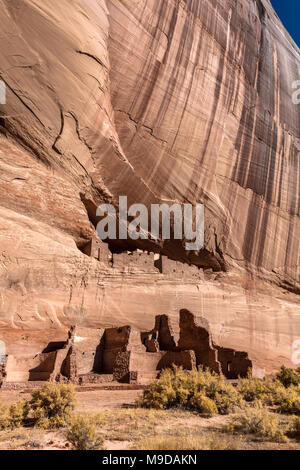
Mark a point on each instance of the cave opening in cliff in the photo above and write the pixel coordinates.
(173, 249)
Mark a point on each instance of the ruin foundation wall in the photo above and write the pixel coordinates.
(125, 354)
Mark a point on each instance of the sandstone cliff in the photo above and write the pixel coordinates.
(174, 100)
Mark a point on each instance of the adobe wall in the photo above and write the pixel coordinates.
(59, 364)
(177, 269)
(80, 355)
(233, 363)
(69, 368)
(115, 340)
(77, 356)
(87, 343)
(185, 359)
(35, 368)
(195, 335)
(145, 362)
(139, 260)
(93, 378)
(86, 359)
(166, 339)
(2, 373)
(99, 250)
(132, 366)
(126, 354)
(121, 369)
(161, 338)
(119, 261)
(142, 261)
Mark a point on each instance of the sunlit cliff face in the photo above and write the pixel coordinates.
(160, 101)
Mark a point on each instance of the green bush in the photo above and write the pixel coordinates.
(18, 413)
(268, 390)
(280, 392)
(187, 389)
(53, 405)
(294, 430)
(14, 416)
(203, 404)
(259, 421)
(3, 417)
(82, 433)
(288, 377)
(290, 401)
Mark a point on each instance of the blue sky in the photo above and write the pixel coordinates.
(289, 13)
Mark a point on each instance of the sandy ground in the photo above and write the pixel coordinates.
(106, 400)
(125, 426)
(90, 401)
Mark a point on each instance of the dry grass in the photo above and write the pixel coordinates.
(188, 442)
(140, 428)
(260, 422)
(83, 433)
(136, 424)
(294, 429)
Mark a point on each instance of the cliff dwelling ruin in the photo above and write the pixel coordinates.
(145, 261)
(125, 355)
(148, 106)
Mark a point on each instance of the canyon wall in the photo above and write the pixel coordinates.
(163, 101)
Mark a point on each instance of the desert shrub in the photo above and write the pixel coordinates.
(203, 404)
(82, 434)
(294, 429)
(52, 405)
(18, 413)
(259, 421)
(180, 388)
(32, 444)
(252, 389)
(227, 399)
(268, 390)
(275, 391)
(272, 392)
(288, 377)
(290, 401)
(189, 442)
(3, 417)
(14, 416)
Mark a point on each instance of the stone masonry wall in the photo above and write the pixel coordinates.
(128, 355)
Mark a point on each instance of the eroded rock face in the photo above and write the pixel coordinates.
(159, 100)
